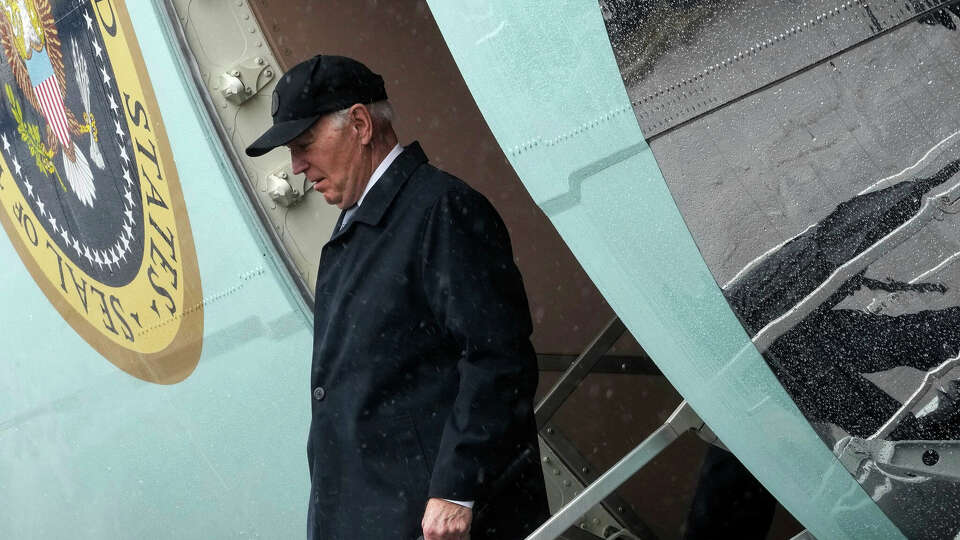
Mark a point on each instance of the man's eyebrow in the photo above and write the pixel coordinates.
(301, 139)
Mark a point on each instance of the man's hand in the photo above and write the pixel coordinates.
(443, 520)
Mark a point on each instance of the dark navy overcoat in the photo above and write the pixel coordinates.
(423, 373)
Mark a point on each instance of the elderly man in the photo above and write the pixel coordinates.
(423, 373)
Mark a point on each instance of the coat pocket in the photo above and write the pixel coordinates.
(393, 458)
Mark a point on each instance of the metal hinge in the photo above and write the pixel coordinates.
(280, 190)
(245, 80)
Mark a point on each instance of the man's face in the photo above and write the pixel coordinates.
(331, 157)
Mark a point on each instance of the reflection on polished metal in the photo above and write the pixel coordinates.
(703, 73)
(904, 477)
(935, 375)
(812, 149)
(914, 459)
(934, 207)
(683, 419)
(579, 369)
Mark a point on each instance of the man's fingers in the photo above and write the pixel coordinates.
(445, 531)
(446, 536)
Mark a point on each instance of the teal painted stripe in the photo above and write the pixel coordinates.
(545, 78)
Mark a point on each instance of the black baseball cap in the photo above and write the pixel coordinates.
(311, 89)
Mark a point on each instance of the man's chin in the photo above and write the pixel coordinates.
(341, 203)
(330, 199)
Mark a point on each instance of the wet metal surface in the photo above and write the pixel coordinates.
(812, 148)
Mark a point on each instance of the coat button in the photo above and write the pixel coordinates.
(319, 393)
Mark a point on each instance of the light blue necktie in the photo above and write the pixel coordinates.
(348, 216)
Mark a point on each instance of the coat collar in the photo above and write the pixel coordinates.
(383, 193)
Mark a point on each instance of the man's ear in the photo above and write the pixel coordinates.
(361, 121)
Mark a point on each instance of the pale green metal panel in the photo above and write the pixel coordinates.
(87, 451)
(545, 78)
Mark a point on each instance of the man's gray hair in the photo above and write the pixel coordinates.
(381, 112)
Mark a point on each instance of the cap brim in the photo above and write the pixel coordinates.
(280, 134)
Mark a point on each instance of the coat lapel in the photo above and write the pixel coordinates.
(378, 200)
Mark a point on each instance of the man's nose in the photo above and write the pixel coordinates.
(299, 165)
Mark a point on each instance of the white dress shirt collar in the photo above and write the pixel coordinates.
(377, 173)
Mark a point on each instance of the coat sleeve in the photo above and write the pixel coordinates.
(476, 294)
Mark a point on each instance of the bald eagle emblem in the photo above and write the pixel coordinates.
(32, 48)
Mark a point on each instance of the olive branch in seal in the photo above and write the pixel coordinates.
(30, 134)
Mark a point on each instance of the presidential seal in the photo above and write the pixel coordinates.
(89, 193)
